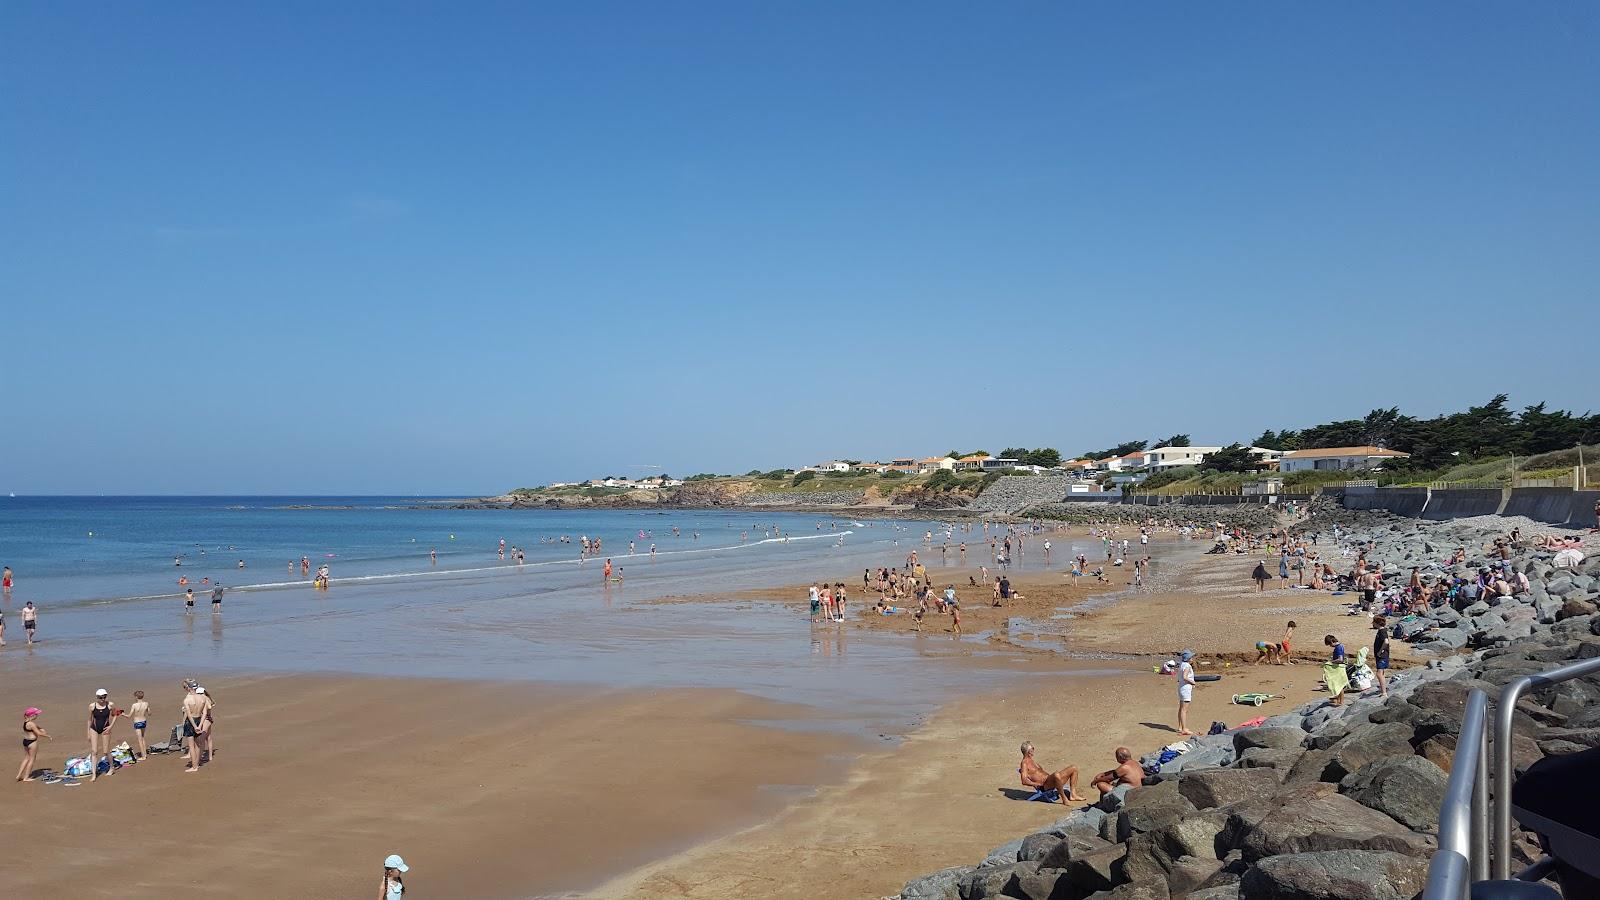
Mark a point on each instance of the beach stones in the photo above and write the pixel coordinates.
(1085, 821)
(1408, 789)
(1190, 873)
(1268, 738)
(1061, 855)
(1092, 871)
(1367, 745)
(941, 885)
(1335, 875)
(1003, 854)
(1308, 821)
(1035, 847)
(1114, 800)
(1572, 607)
(1264, 758)
(992, 881)
(1150, 808)
(1211, 788)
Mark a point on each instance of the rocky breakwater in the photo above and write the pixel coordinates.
(1011, 494)
(1321, 803)
(1552, 592)
(1249, 516)
(808, 499)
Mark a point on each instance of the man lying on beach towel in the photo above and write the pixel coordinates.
(1064, 782)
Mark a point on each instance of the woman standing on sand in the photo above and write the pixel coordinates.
(31, 733)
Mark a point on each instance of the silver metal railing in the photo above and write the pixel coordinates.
(1469, 850)
(1463, 817)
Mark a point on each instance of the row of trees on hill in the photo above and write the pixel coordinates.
(1126, 447)
(1493, 429)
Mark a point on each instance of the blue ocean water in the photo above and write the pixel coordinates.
(101, 570)
(95, 548)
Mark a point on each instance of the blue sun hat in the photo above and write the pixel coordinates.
(1186, 655)
(395, 862)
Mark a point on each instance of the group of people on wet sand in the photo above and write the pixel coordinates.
(198, 730)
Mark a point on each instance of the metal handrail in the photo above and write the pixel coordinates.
(1505, 709)
(1462, 817)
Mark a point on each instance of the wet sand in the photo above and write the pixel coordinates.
(488, 790)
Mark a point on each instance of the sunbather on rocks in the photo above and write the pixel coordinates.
(1127, 772)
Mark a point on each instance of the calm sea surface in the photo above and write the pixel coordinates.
(101, 570)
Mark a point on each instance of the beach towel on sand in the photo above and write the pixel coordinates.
(1336, 677)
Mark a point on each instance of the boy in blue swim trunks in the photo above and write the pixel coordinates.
(140, 712)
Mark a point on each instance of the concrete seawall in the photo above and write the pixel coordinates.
(1459, 504)
(1555, 506)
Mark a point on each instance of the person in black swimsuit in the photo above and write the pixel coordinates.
(101, 718)
(31, 732)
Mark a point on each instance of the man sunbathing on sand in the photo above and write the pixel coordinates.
(1064, 782)
(1127, 772)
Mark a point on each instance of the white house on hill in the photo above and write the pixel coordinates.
(1337, 458)
(1168, 457)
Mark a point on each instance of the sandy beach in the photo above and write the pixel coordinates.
(501, 790)
(488, 790)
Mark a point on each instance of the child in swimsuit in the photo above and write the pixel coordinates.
(140, 711)
(31, 733)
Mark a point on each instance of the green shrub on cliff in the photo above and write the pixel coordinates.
(803, 476)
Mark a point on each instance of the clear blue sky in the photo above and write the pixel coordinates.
(438, 248)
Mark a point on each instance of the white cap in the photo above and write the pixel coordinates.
(100, 693)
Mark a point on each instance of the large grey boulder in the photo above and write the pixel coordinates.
(1093, 871)
(941, 885)
(1003, 854)
(1190, 872)
(1263, 758)
(1156, 855)
(1313, 819)
(1083, 821)
(1547, 609)
(1061, 855)
(1229, 891)
(1151, 807)
(1199, 758)
(1036, 847)
(1211, 788)
(1335, 875)
(1574, 607)
(1409, 789)
(992, 881)
(1113, 800)
(1139, 890)
(1268, 738)
(1368, 744)
(1044, 884)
